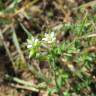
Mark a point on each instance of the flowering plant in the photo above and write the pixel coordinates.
(34, 44)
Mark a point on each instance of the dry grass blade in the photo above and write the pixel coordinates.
(88, 36)
(7, 50)
(11, 15)
(25, 87)
(25, 7)
(15, 40)
(91, 3)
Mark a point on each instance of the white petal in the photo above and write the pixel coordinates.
(44, 39)
(36, 41)
(29, 46)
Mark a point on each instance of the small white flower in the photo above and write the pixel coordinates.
(33, 45)
(32, 42)
(49, 38)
